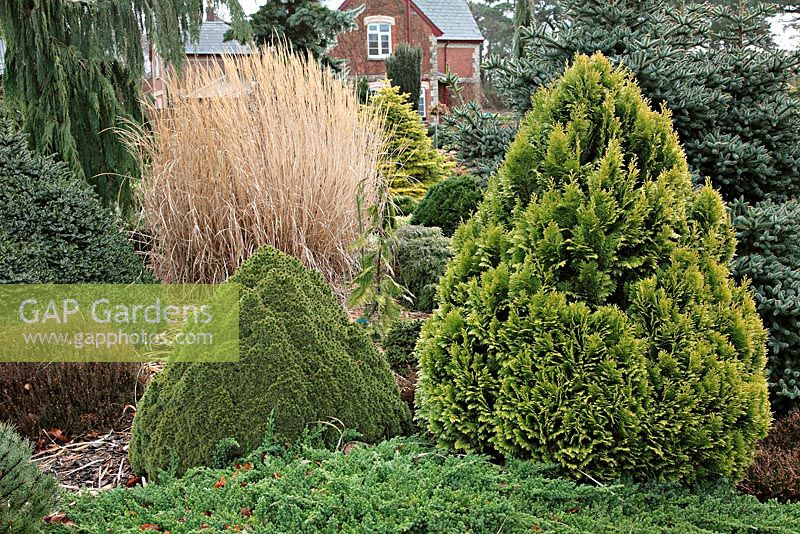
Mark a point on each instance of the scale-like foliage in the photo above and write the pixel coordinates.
(588, 316)
(302, 361)
(412, 164)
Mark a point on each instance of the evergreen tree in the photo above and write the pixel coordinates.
(716, 68)
(588, 317)
(404, 70)
(411, 163)
(478, 139)
(74, 70)
(495, 20)
(769, 256)
(307, 25)
(523, 16)
(26, 494)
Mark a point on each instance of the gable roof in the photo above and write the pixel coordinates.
(212, 41)
(453, 18)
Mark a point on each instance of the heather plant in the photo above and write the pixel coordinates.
(768, 254)
(301, 361)
(420, 256)
(26, 493)
(448, 203)
(588, 317)
(245, 165)
(775, 473)
(411, 163)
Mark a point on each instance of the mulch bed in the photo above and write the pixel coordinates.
(90, 461)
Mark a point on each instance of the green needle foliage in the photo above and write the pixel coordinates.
(404, 69)
(478, 139)
(405, 485)
(448, 203)
(588, 317)
(768, 236)
(715, 67)
(52, 229)
(307, 25)
(302, 361)
(420, 256)
(74, 71)
(26, 494)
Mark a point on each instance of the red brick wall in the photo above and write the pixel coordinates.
(353, 45)
(461, 60)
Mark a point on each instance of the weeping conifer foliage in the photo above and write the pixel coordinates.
(588, 317)
(74, 71)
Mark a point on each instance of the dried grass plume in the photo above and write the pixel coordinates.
(261, 149)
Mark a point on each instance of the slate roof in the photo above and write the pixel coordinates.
(453, 17)
(212, 41)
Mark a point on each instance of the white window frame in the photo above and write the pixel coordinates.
(422, 107)
(375, 26)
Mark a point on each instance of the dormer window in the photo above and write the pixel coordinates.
(379, 36)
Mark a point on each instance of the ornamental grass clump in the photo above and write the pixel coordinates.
(302, 361)
(588, 317)
(265, 149)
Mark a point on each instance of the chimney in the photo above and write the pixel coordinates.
(210, 15)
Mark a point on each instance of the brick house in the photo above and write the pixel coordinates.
(445, 30)
(209, 49)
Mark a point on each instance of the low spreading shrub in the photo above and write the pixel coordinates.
(448, 203)
(400, 341)
(281, 164)
(588, 317)
(405, 485)
(775, 474)
(410, 163)
(420, 256)
(768, 253)
(26, 494)
(302, 361)
(53, 230)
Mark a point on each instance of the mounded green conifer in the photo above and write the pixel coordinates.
(302, 361)
(588, 317)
